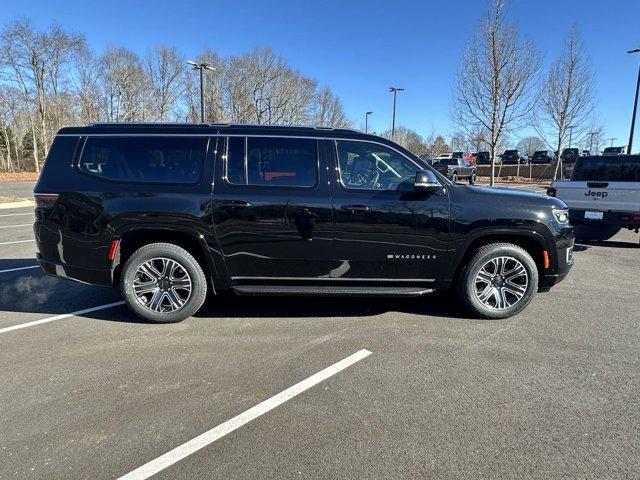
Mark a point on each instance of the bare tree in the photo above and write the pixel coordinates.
(409, 139)
(567, 98)
(164, 68)
(529, 145)
(328, 110)
(36, 63)
(123, 81)
(494, 89)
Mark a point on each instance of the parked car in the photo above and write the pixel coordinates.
(169, 213)
(482, 158)
(464, 155)
(457, 169)
(603, 195)
(511, 157)
(543, 157)
(570, 155)
(613, 151)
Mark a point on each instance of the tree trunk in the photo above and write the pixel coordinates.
(35, 148)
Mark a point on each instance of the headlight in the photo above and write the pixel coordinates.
(562, 216)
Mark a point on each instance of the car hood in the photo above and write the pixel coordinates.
(509, 197)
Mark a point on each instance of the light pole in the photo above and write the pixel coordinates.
(635, 106)
(202, 67)
(395, 91)
(591, 135)
(570, 128)
(366, 121)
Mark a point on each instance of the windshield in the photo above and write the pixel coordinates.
(618, 169)
(540, 152)
(510, 152)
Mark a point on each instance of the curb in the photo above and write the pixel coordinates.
(20, 204)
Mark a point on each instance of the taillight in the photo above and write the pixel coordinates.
(45, 200)
(551, 192)
(630, 218)
(113, 249)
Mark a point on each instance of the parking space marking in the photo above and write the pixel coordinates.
(15, 226)
(59, 317)
(207, 438)
(17, 241)
(16, 214)
(16, 269)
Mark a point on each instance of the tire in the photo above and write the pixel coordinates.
(484, 301)
(454, 177)
(472, 179)
(595, 233)
(181, 291)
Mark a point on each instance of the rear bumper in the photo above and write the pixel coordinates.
(92, 276)
(609, 218)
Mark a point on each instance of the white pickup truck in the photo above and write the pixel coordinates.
(603, 195)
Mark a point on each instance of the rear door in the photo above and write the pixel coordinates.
(271, 207)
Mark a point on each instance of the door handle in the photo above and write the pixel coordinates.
(355, 208)
(236, 204)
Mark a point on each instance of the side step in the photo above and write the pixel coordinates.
(330, 290)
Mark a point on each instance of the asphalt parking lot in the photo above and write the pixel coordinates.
(553, 392)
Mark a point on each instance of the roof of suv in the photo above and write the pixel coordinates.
(204, 128)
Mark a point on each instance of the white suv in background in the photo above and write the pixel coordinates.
(603, 195)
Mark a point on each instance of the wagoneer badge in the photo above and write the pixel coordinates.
(398, 256)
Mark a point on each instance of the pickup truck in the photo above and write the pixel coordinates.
(457, 169)
(603, 195)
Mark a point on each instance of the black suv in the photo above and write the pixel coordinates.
(171, 212)
(543, 156)
(511, 157)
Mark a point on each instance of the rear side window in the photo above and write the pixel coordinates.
(145, 159)
(272, 161)
(609, 169)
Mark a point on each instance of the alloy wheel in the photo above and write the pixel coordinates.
(162, 285)
(501, 283)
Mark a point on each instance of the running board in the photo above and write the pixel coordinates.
(330, 290)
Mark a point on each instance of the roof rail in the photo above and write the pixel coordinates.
(210, 124)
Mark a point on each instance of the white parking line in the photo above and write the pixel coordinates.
(207, 438)
(16, 269)
(22, 225)
(59, 317)
(16, 214)
(17, 241)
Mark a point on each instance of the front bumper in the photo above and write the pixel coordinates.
(562, 263)
(93, 276)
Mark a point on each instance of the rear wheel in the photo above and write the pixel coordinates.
(472, 179)
(454, 177)
(594, 232)
(499, 281)
(163, 283)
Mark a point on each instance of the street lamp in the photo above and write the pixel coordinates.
(366, 121)
(570, 128)
(635, 106)
(591, 135)
(202, 67)
(395, 91)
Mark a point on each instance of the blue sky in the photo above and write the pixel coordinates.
(360, 48)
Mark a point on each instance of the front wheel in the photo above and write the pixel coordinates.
(163, 283)
(472, 179)
(454, 178)
(499, 281)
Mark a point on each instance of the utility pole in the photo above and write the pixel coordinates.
(570, 128)
(366, 121)
(395, 91)
(635, 107)
(202, 67)
(612, 139)
(591, 135)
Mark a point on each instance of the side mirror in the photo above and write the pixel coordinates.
(426, 181)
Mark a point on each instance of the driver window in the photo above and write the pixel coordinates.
(370, 166)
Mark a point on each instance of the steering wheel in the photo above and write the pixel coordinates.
(367, 178)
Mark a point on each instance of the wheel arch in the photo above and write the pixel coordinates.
(530, 241)
(192, 241)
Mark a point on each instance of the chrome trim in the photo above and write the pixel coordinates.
(399, 280)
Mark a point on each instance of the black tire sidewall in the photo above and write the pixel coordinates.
(483, 255)
(472, 179)
(184, 258)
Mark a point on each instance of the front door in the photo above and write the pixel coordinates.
(271, 208)
(383, 230)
